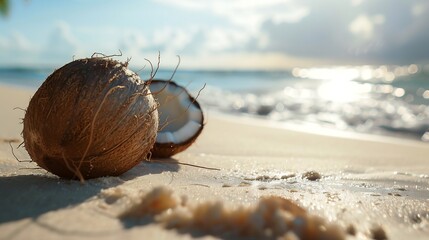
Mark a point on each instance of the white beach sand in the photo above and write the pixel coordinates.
(364, 183)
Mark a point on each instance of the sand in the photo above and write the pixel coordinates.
(365, 182)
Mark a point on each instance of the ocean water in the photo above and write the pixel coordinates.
(381, 100)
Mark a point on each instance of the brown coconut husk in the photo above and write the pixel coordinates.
(91, 118)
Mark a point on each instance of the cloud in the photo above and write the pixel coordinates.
(61, 45)
(16, 48)
(172, 39)
(316, 31)
(20, 43)
(243, 18)
(16, 42)
(247, 14)
(404, 36)
(319, 34)
(352, 32)
(133, 43)
(419, 9)
(217, 39)
(191, 41)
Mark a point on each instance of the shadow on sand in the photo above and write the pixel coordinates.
(29, 196)
(156, 167)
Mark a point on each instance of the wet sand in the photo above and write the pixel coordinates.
(358, 184)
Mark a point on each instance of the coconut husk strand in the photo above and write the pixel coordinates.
(91, 118)
(180, 115)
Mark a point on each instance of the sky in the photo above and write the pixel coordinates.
(221, 34)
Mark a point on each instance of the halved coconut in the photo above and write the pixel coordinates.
(181, 118)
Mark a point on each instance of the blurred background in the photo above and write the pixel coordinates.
(349, 65)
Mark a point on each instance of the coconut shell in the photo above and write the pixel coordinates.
(166, 150)
(91, 118)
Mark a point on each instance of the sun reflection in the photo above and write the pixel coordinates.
(426, 94)
(365, 73)
(412, 69)
(336, 73)
(399, 92)
(343, 91)
(338, 84)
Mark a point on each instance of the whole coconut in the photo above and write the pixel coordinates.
(91, 118)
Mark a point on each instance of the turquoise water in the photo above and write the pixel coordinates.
(383, 100)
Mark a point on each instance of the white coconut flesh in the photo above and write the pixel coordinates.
(179, 118)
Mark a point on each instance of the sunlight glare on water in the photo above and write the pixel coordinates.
(342, 91)
(339, 86)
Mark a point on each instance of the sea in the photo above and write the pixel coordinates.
(381, 100)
